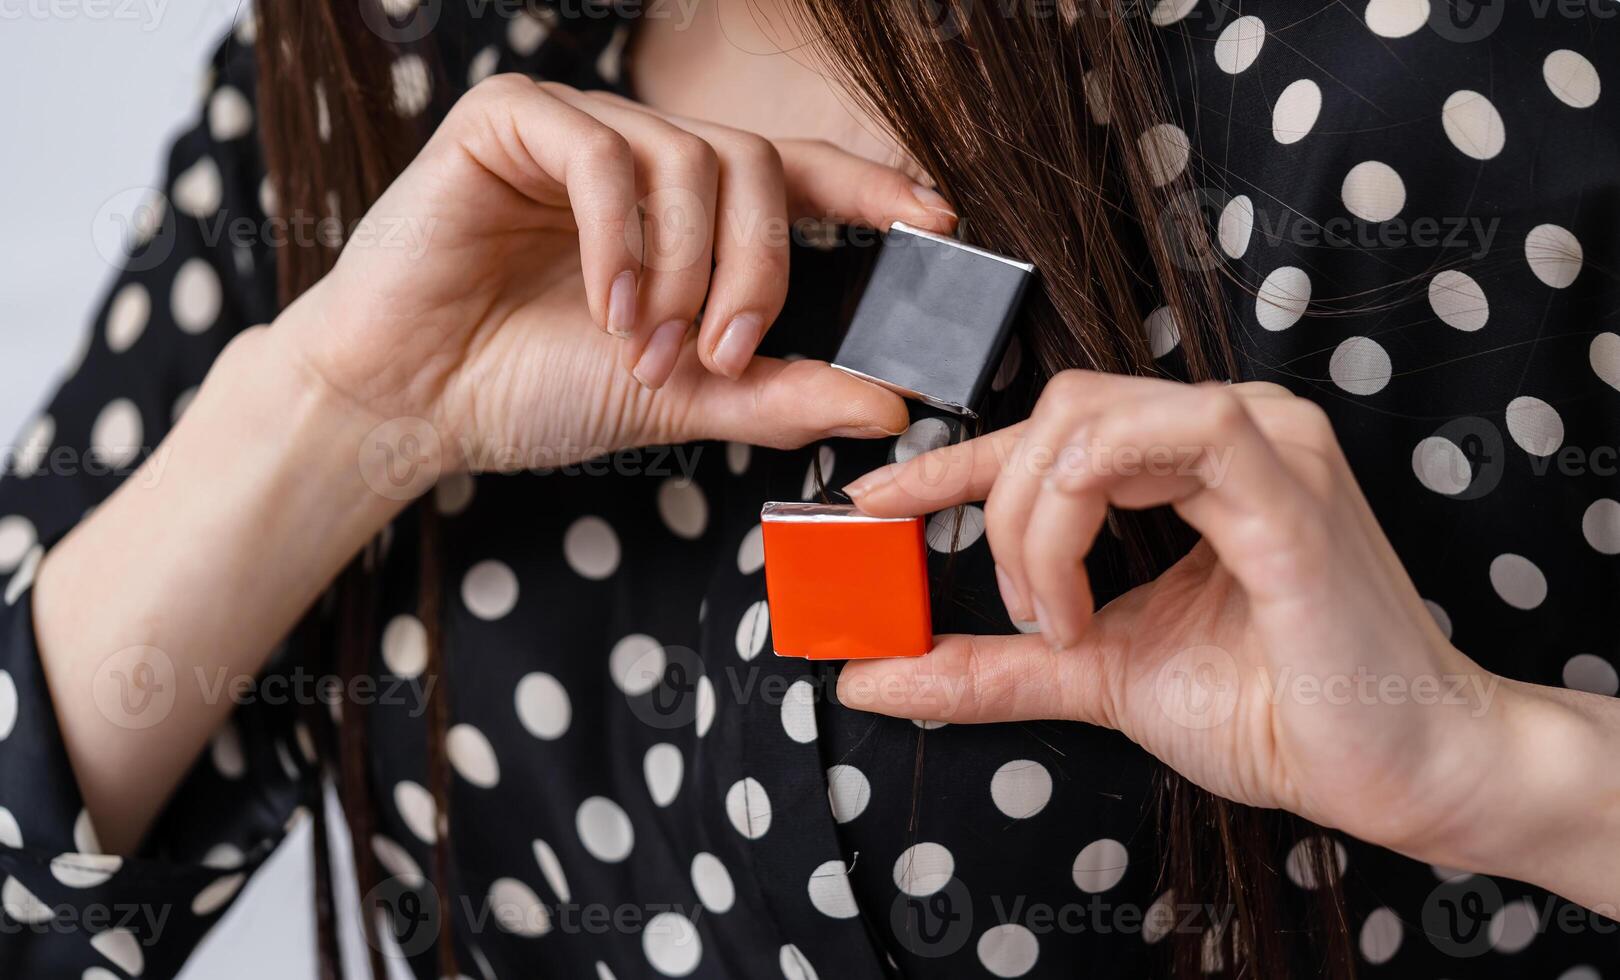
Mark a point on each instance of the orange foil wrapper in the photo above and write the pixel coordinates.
(843, 585)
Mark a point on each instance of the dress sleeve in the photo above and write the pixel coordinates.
(196, 271)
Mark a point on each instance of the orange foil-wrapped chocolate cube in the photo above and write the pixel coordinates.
(843, 585)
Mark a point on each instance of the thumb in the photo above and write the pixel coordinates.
(788, 404)
(978, 679)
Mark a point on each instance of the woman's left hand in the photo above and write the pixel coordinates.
(1287, 661)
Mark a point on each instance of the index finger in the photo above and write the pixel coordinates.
(942, 478)
(829, 183)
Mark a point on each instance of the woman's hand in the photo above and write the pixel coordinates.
(480, 296)
(1287, 661)
(546, 240)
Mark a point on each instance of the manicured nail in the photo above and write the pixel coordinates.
(621, 313)
(861, 432)
(658, 360)
(871, 481)
(931, 199)
(1010, 596)
(738, 342)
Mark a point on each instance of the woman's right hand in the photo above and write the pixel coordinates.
(530, 284)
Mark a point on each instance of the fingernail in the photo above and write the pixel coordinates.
(1010, 596)
(658, 360)
(870, 482)
(860, 432)
(931, 199)
(738, 342)
(621, 312)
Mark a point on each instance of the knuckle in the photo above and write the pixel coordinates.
(1111, 432)
(1315, 424)
(611, 98)
(1263, 388)
(984, 695)
(755, 152)
(503, 85)
(764, 269)
(763, 409)
(601, 148)
(1001, 526)
(691, 155)
(879, 196)
(1292, 543)
(1224, 413)
(495, 91)
(1063, 387)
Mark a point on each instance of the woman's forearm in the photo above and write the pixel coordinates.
(194, 570)
(1555, 820)
(1545, 803)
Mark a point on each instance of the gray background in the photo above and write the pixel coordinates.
(91, 92)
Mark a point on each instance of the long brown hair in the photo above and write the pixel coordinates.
(990, 99)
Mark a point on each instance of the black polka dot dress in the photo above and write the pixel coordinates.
(1418, 219)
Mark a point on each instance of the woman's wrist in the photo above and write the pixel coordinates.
(1549, 813)
(397, 453)
(321, 457)
(199, 564)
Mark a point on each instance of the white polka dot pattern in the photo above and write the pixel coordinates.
(748, 807)
(848, 792)
(1396, 18)
(1240, 44)
(923, 869)
(1296, 111)
(1283, 298)
(543, 706)
(830, 892)
(1473, 125)
(1008, 950)
(1458, 300)
(1021, 788)
(672, 944)
(604, 829)
(1572, 78)
(1373, 191)
(1100, 865)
